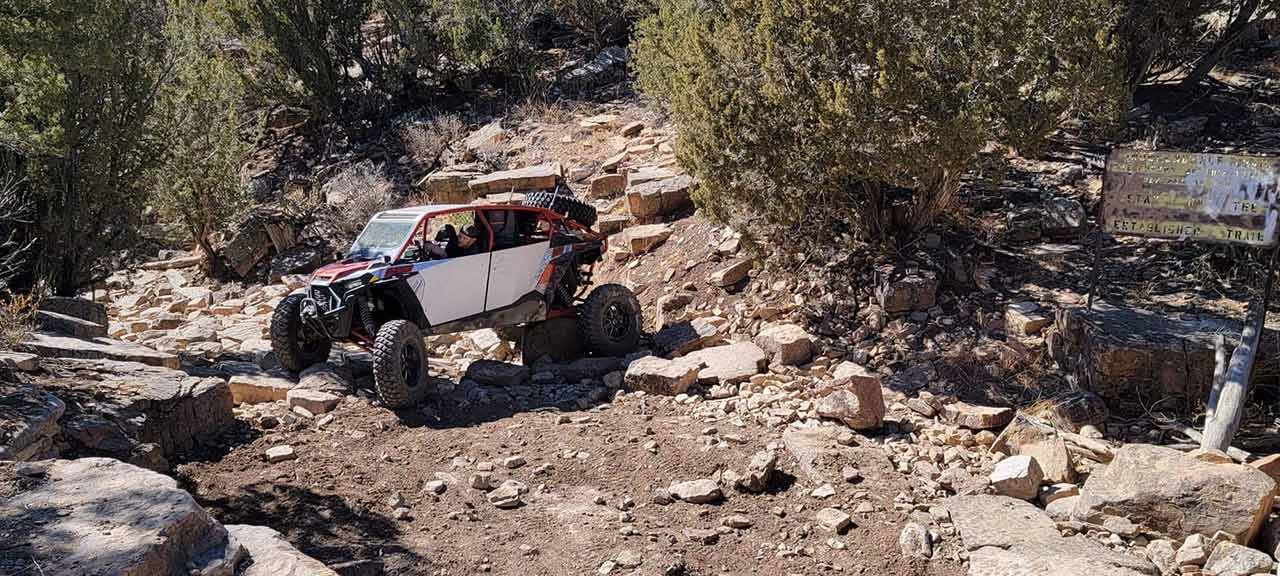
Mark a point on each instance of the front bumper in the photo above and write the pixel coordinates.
(324, 310)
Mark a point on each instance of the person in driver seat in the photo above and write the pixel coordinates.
(457, 244)
(465, 243)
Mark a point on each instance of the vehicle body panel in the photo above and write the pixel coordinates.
(514, 272)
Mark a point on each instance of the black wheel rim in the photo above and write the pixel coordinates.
(410, 365)
(617, 321)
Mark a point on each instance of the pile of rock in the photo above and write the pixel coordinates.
(164, 312)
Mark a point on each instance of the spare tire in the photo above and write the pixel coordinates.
(574, 209)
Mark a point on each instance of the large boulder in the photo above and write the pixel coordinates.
(1164, 491)
(1028, 437)
(449, 186)
(787, 344)
(855, 400)
(759, 472)
(86, 310)
(1231, 559)
(641, 239)
(703, 491)
(1128, 355)
(649, 199)
(976, 417)
(259, 387)
(1018, 477)
(134, 412)
(300, 259)
(102, 516)
(730, 274)
(272, 555)
(28, 421)
(70, 325)
(661, 376)
(905, 291)
(1008, 537)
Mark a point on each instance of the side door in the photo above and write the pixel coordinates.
(522, 244)
(453, 288)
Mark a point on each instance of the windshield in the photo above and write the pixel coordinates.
(382, 237)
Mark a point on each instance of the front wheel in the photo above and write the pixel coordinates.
(610, 321)
(295, 344)
(399, 363)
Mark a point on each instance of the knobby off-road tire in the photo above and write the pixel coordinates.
(609, 321)
(289, 337)
(399, 363)
(575, 209)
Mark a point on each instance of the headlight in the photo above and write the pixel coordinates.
(350, 285)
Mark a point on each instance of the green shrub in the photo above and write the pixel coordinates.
(601, 22)
(77, 89)
(197, 184)
(318, 42)
(855, 120)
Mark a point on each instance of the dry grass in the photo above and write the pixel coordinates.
(544, 112)
(17, 319)
(426, 140)
(354, 196)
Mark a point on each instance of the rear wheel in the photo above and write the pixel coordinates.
(399, 363)
(296, 344)
(609, 321)
(574, 209)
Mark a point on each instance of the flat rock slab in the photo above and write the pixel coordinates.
(494, 373)
(819, 456)
(732, 364)
(259, 388)
(542, 177)
(28, 421)
(102, 516)
(1164, 491)
(272, 555)
(1133, 357)
(88, 310)
(113, 408)
(51, 345)
(685, 337)
(19, 361)
(70, 325)
(1009, 537)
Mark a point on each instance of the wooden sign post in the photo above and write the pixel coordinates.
(1202, 197)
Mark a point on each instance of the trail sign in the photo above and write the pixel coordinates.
(1206, 197)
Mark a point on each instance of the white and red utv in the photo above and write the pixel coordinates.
(531, 264)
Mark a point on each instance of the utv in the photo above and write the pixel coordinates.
(529, 268)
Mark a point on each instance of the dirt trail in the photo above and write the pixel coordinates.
(591, 495)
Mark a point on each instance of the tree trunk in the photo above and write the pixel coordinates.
(1233, 33)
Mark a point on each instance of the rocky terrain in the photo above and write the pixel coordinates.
(949, 411)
